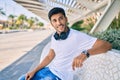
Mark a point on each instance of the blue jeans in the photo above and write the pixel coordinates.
(43, 74)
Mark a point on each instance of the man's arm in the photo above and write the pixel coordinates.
(44, 63)
(100, 46)
(46, 60)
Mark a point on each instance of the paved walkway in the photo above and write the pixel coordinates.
(29, 58)
(14, 45)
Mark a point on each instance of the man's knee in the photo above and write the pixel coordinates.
(22, 77)
(49, 78)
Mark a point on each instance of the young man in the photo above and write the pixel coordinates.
(69, 49)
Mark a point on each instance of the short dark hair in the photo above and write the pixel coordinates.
(56, 10)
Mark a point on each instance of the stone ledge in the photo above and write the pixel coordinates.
(104, 66)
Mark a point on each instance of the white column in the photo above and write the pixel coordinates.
(111, 11)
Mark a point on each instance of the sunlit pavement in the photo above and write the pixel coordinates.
(15, 45)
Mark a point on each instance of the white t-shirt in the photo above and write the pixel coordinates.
(66, 50)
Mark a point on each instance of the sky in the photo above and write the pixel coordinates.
(11, 7)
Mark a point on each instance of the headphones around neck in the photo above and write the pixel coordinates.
(62, 36)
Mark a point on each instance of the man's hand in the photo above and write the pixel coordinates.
(78, 61)
(29, 75)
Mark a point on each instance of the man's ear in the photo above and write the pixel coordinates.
(66, 19)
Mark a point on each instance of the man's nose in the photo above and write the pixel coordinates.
(58, 22)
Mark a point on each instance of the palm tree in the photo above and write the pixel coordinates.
(30, 21)
(22, 18)
(11, 19)
(36, 21)
(2, 12)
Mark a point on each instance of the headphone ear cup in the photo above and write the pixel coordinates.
(56, 36)
(63, 35)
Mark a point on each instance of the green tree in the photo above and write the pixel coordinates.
(41, 24)
(11, 19)
(77, 25)
(115, 23)
(30, 22)
(22, 19)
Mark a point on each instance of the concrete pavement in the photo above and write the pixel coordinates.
(15, 45)
(24, 64)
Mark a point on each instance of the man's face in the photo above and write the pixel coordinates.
(59, 22)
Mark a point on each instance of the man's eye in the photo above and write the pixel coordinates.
(61, 18)
(54, 21)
